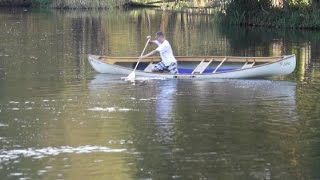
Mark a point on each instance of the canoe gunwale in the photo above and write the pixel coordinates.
(114, 60)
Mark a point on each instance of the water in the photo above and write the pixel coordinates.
(61, 120)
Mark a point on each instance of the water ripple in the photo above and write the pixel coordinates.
(3, 125)
(7, 155)
(109, 109)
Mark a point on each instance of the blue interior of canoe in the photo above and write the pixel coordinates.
(189, 71)
(142, 66)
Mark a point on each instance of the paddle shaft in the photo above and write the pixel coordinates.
(141, 55)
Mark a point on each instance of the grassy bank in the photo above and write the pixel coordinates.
(97, 4)
(64, 4)
(86, 4)
(294, 17)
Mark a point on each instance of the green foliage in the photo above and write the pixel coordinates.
(299, 15)
(87, 4)
(299, 2)
(41, 3)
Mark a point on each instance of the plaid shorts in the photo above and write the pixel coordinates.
(160, 67)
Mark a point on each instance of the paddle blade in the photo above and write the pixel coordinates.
(131, 77)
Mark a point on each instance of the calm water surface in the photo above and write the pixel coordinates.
(61, 120)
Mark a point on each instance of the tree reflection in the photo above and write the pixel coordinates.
(122, 33)
(189, 129)
(224, 129)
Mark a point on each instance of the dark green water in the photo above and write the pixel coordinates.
(61, 120)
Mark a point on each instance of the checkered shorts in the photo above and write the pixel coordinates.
(160, 67)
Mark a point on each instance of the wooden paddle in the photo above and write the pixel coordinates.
(131, 77)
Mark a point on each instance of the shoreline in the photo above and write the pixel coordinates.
(273, 18)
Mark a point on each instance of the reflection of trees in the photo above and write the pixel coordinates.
(85, 30)
(122, 33)
(262, 42)
(227, 130)
(308, 110)
(225, 136)
(206, 137)
(77, 126)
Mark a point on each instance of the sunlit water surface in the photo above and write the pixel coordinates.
(61, 120)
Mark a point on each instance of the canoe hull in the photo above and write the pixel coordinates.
(284, 66)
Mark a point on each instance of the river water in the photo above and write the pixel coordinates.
(61, 120)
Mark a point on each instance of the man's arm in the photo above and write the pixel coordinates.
(149, 54)
(153, 42)
(152, 52)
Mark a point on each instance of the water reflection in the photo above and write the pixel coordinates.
(165, 103)
(52, 151)
(102, 81)
(165, 99)
(204, 120)
(122, 33)
(217, 129)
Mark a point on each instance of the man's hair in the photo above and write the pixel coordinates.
(159, 33)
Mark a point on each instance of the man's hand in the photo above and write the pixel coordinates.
(148, 37)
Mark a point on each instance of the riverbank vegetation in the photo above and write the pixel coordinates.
(15, 3)
(297, 14)
(102, 4)
(64, 4)
(86, 4)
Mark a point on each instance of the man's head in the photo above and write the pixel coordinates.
(160, 36)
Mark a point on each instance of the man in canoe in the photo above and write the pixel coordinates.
(168, 61)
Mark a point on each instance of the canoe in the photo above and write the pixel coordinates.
(201, 67)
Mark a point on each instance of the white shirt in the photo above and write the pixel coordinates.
(165, 51)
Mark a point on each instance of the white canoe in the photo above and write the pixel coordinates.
(203, 67)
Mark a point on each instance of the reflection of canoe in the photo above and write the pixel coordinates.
(200, 67)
